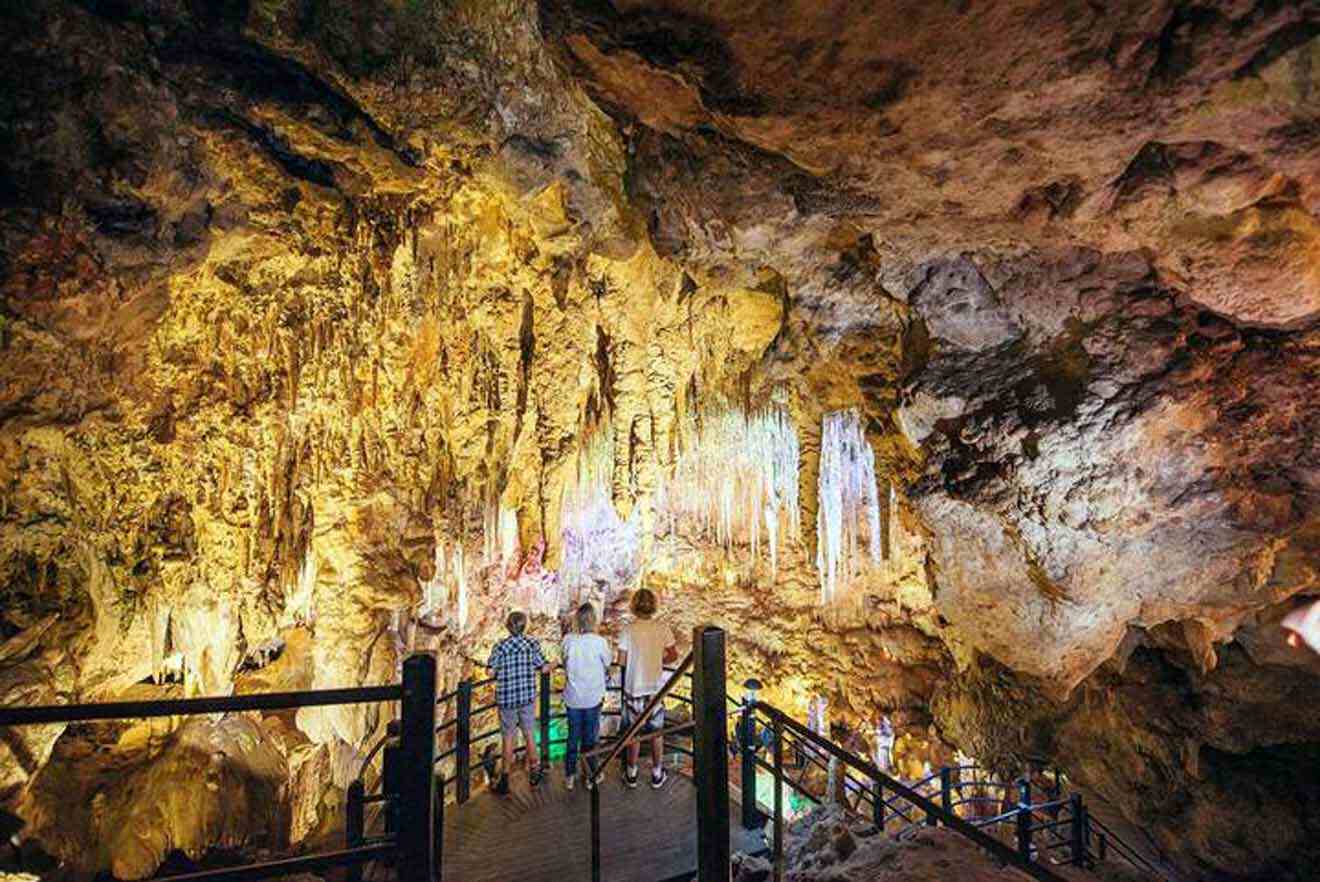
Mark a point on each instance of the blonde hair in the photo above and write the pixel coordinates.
(643, 603)
(586, 619)
(516, 622)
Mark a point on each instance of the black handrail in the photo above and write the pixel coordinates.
(411, 844)
(180, 707)
(932, 809)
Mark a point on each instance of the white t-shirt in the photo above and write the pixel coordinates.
(645, 641)
(587, 663)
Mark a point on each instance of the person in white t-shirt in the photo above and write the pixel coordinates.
(587, 660)
(645, 647)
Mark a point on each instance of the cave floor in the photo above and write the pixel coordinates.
(545, 834)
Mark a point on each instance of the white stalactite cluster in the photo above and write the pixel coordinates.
(449, 569)
(736, 481)
(848, 517)
(599, 548)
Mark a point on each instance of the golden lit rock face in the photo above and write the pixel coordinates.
(300, 299)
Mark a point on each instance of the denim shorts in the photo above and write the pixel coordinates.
(512, 717)
(633, 705)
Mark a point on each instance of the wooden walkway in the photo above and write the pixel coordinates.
(545, 835)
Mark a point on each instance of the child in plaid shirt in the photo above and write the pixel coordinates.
(516, 660)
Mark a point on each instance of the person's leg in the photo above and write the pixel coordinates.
(528, 721)
(590, 731)
(657, 724)
(634, 706)
(576, 737)
(508, 733)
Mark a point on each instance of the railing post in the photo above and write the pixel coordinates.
(391, 776)
(779, 798)
(354, 825)
(440, 829)
(1024, 819)
(545, 720)
(463, 742)
(594, 787)
(417, 784)
(1101, 847)
(946, 789)
(932, 820)
(1078, 845)
(751, 817)
(878, 810)
(711, 753)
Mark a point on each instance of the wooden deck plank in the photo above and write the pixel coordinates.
(545, 835)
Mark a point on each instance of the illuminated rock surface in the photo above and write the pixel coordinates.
(312, 313)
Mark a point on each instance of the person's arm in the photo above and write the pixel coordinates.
(496, 653)
(544, 663)
(606, 658)
(671, 649)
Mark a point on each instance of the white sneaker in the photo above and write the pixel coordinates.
(570, 781)
(658, 777)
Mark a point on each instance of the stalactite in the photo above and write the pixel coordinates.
(737, 477)
(848, 516)
(598, 546)
(462, 587)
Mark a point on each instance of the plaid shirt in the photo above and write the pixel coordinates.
(515, 661)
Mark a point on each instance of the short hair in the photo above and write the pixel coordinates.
(643, 603)
(586, 618)
(516, 622)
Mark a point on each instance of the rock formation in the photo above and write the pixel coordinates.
(318, 319)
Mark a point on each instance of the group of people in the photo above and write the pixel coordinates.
(643, 649)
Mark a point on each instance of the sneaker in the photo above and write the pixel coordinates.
(502, 786)
(536, 776)
(658, 778)
(570, 781)
(630, 776)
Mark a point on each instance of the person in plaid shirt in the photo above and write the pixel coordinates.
(516, 660)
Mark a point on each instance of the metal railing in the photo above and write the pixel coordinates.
(593, 772)
(409, 796)
(784, 728)
(1057, 831)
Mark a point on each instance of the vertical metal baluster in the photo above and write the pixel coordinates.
(1024, 819)
(779, 797)
(711, 747)
(545, 721)
(463, 742)
(417, 767)
(354, 826)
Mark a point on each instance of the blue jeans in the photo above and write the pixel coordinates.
(583, 732)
